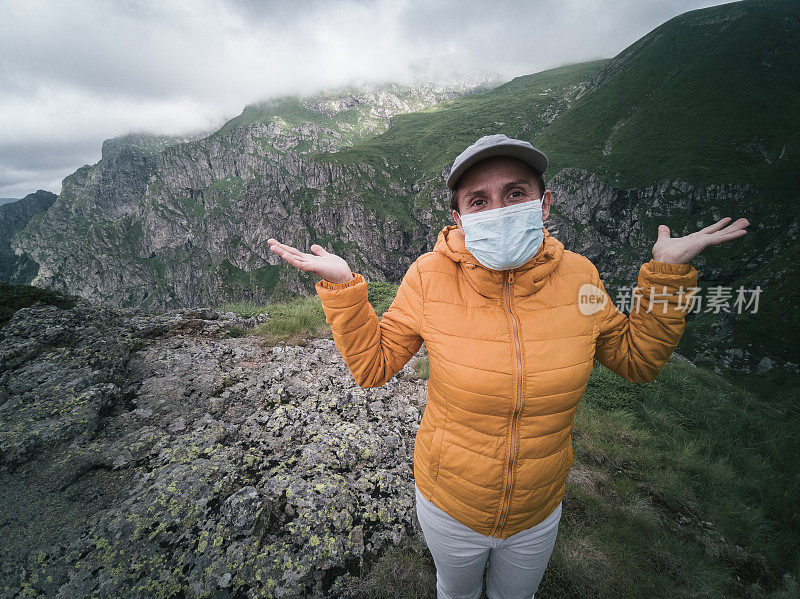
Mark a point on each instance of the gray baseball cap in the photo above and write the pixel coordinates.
(496, 145)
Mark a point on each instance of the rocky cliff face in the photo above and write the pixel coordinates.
(616, 228)
(142, 456)
(14, 217)
(162, 223)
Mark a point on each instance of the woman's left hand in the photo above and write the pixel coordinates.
(680, 250)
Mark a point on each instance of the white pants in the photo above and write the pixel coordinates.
(516, 564)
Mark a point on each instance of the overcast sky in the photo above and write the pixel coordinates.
(73, 73)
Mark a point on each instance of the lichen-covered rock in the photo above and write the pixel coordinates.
(195, 464)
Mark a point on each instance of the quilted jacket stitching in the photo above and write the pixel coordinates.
(369, 347)
(506, 396)
(474, 484)
(487, 308)
(440, 331)
(471, 450)
(451, 361)
(472, 507)
(361, 326)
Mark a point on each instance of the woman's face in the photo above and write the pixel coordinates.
(496, 183)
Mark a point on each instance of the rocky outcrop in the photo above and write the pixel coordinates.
(616, 227)
(15, 216)
(166, 222)
(148, 456)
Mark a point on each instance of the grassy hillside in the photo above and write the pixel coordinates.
(709, 96)
(412, 152)
(520, 108)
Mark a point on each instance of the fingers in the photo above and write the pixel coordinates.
(302, 262)
(716, 226)
(285, 253)
(723, 237)
(738, 225)
(298, 259)
(287, 248)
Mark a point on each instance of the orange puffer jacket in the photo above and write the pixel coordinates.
(510, 354)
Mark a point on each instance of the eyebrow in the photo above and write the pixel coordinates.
(516, 183)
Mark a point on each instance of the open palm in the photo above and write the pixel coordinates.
(329, 266)
(679, 250)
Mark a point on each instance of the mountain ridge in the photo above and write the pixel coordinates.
(363, 176)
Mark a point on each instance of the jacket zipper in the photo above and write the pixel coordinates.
(517, 408)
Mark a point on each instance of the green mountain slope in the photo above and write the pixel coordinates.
(414, 150)
(709, 96)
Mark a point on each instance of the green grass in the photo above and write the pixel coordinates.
(422, 368)
(292, 320)
(405, 571)
(287, 108)
(303, 317)
(424, 142)
(684, 485)
(381, 295)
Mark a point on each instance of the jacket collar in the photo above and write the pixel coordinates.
(528, 278)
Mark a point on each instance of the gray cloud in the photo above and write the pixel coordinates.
(74, 74)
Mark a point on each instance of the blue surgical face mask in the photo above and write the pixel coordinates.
(504, 238)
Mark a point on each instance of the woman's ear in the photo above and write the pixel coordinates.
(546, 199)
(457, 220)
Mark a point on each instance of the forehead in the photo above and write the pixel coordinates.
(495, 171)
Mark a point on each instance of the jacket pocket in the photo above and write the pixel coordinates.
(436, 451)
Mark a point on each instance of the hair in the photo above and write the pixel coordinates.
(454, 192)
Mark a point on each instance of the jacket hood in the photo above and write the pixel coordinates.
(528, 278)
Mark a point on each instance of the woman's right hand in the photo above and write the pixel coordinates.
(329, 266)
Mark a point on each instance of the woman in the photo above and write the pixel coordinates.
(511, 321)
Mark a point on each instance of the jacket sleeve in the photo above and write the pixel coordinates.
(373, 350)
(636, 346)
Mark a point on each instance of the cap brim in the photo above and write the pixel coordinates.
(533, 158)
